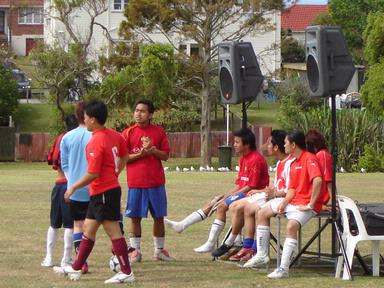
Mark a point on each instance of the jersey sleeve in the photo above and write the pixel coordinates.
(325, 161)
(123, 151)
(94, 157)
(164, 143)
(64, 154)
(313, 168)
(254, 174)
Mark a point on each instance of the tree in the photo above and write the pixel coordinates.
(8, 95)
(204, 23)
(291, 51)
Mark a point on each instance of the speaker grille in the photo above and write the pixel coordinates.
(313, 73)
(226, 83)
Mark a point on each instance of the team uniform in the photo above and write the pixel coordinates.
(325, 161)
(145, 177)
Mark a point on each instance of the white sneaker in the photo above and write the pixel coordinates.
(120, 278)
(47, 262)
(278, 274)
(205, 248)
(66, 262)
(163, 255)
(256, 261)
(177, 226)
(68, 271)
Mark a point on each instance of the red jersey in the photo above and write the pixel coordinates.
(146, 172)
(253, 171)
(302, 173)
(281, 180)
(103, 151)
(325, 161)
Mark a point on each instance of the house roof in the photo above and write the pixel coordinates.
(298, 17)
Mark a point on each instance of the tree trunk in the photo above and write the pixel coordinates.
(205, 128)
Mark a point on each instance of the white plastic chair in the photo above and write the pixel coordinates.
(350, 241)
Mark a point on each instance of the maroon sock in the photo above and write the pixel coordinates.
(121, 251)
(85, 249)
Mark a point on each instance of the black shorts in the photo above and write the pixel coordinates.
(78, 209)
(105, 206)
(60, 212)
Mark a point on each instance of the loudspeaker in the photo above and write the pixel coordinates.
(329, 63)
(239, 72)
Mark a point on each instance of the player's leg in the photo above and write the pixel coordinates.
(68, 227)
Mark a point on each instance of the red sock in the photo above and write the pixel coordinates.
(85, 249)
(121, 251)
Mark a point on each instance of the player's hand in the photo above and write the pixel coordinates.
(305, 207)
(147, 143)
(281, 207)
(68, 194)
(270, 191)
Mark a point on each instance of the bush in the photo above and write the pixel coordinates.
(177, 120)
(372, 160)
(8, 95)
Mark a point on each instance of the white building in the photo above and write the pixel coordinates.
(269, 60)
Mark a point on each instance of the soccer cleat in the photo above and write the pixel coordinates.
(221, 250)
(121, 278)
(163, 255)
(68, 271)
(47, 262)
(135, 256)
(205, 248)
(243, 251)
(256, 261)
(174, 225)
(278, 274)
(248, 256)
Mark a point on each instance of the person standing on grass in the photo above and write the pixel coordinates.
(105, 152)
(74, 164)
(147, 146)
(302, 201)
(60, 212)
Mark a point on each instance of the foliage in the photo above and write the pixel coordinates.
(374, 38)
(372, 159)
(291, 51)
(176, 120)
(324, 19)
(8, 95)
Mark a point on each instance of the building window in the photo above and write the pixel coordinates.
(120, 5)
(30, 15)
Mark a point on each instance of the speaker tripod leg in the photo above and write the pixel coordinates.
(342, 249)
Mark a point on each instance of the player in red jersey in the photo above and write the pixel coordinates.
(302, 202)
(105, 152)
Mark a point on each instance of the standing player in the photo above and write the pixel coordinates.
(60, 214)
(104, 153)
(147, 147)
(74, 164)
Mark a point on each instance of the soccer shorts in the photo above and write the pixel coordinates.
(230, 199)
(78, 209)
(140, 200)
(105, 206)
(60, 212)
(292, 212)
(258, 199)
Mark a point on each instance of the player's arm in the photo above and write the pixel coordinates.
(84, 181)
(288, 197)
(161, 155)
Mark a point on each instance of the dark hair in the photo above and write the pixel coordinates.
(277, 138)
(98, 110)
(298, 138)
(315, 141)
(149, 103)
(247, 137)
(79, 111)
(70, 122)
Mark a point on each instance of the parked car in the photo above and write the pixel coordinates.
(351, 100)
(23, 83)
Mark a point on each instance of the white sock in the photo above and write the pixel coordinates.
(68, 244)
(51, 241)
(193, 218)
(230, 240)
(238, 240)
(262, 239)
(216, 228)
(289, 249)
(135, 242)
(158, 243)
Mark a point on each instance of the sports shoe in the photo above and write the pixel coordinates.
(243, 251)
(221, 250)
(121, 278)
(163, 255)
(68, 271)
(174, 225)
(248, 256)
(47, 262)
(278, 274)
(205, 248)
(66, 262)
(135, 256)
(84, 269)
(256, 261)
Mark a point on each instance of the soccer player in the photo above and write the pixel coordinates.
(60, 213)
(147, 147)
(253, 174)
(302, 201)
(74, 164)
(244, 211)
(104, 152)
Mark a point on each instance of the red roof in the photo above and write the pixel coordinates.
(298, 17)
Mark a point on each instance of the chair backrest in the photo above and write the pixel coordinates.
(345, 204)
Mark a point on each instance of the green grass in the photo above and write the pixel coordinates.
(34, 117)
(24, 210)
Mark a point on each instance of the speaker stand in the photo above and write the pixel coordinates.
(244, 120)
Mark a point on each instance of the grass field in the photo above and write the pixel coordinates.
(34, 117)
(24, 210)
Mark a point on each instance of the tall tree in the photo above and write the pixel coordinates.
(204, 22)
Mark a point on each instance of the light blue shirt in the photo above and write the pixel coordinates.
(73, 159)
